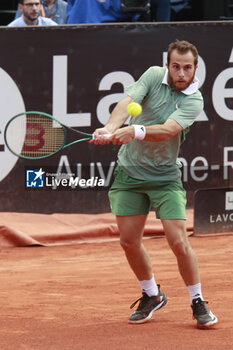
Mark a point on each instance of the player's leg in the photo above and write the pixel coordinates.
(169, 201)
(131, 234)
(131, 205)
(175, 231)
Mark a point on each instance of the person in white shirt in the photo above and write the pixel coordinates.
(53, 9)
(31, 15)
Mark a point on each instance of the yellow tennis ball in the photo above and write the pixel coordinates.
(134, 109)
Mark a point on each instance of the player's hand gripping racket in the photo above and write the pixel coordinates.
(36, 135)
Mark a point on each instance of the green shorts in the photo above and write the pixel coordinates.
(129, 196)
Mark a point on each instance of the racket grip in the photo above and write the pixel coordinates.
(105, 135)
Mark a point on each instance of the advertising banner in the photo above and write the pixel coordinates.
(213, 210)
(78, 74)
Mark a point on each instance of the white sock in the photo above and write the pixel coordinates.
(195, 292)
(149, 287)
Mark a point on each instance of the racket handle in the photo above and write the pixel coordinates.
(105, 135)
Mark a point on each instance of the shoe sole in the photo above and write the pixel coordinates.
(207, 325)
(144, 320)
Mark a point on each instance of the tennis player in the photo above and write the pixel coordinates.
(148, 174)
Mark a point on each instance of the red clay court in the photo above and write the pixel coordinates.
(74, 291)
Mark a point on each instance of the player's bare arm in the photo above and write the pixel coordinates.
(158, 132)
(162, 132)
(118, 117)
(122, 136)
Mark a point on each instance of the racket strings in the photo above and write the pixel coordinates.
(42, 138)
(33, 135)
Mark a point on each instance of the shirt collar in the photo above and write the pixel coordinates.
(189, 90)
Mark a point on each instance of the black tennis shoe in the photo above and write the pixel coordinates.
(147, 306)
(205, 318)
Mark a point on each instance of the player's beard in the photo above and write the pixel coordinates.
(175, 84)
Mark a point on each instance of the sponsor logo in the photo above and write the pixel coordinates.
(229, 200)
(224, 218)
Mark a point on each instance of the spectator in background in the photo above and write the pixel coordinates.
(97, 11)
(31, 15)
(53, 9)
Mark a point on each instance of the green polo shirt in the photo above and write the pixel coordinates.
(149, 160)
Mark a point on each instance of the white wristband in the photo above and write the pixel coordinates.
(139, 132)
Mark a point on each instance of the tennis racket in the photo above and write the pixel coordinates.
(37, 135)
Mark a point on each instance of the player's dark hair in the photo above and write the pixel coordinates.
(182, 47)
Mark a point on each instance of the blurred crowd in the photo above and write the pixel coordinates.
(53, 12)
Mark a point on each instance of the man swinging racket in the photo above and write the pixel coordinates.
(148, 174)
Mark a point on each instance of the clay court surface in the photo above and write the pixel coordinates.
(76, 295)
